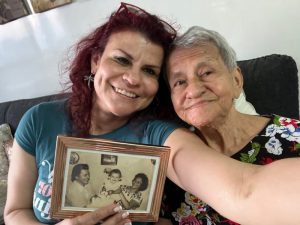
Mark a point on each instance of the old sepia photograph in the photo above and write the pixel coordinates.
(127, 174)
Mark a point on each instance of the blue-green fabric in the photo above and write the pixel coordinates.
(37, 132)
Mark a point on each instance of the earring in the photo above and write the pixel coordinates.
(90, 79)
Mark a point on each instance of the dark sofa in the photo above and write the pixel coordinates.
(270, 84)
(11, 112)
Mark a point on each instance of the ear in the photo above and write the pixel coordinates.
(95, 61)
(238, 81)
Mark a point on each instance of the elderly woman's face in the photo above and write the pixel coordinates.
(202, 87)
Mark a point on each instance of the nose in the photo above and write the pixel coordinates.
(195, 89)
(132, 77)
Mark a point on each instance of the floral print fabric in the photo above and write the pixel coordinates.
(279, 139)
(129, 196)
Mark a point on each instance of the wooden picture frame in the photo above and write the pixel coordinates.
(104, 157)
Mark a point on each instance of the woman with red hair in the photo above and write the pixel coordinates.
(114, 77)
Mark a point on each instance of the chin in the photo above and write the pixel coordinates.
(122, 112)
(198, 122)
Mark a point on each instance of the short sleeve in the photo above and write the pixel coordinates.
(159, 130)
(26, 132)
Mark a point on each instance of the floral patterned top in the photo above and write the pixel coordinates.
(279, 139)
(129, 196)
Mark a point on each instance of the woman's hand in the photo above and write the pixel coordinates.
(109, 215)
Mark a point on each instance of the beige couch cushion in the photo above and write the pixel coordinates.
(5, 144)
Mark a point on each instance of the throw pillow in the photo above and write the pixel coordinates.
(8, 148)
(5, 138)
(243, 106)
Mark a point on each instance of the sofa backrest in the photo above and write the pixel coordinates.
(270, 84)
(11, 112)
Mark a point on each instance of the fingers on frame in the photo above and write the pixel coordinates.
(98, 215)
(120, 218)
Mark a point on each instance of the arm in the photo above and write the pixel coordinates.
(132, 204)
(246, 193)
(21, 181)
(22, 176)
(117, 191)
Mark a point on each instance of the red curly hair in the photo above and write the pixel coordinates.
(80, 102)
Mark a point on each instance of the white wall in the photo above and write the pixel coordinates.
(32, 47)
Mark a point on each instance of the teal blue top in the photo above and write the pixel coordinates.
(37, 132)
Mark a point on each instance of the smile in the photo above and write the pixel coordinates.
(124, 92)
(196, 105)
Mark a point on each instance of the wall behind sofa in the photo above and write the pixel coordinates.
(32, 47)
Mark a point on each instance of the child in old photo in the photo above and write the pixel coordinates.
(111, 184)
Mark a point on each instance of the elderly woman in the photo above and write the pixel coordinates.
(114, 77)
(204, 81)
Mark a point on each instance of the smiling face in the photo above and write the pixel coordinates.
(114, 178)
(84, 177)
(126, 74)
(136, 183)
(202, 87)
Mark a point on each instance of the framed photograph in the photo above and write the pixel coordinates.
(44, 5)
(105, 172)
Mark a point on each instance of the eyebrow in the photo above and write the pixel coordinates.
(131, 57)
(153, 66)
(199, 65)
(126, 53)
(175, 76)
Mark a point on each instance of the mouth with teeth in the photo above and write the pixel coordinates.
(124, 92)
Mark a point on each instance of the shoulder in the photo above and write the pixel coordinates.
(124, 188)
(36, 119)
(46, 108)
(159, 130)
(283, 129)
(282, 120)
(150, 131)
(277, 121)
(162, 124)
(50, 107)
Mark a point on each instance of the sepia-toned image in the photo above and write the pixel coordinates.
(102, 182)
(109, 159)
(43, 5)
(92, 173)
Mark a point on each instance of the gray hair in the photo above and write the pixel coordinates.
(197, 35)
